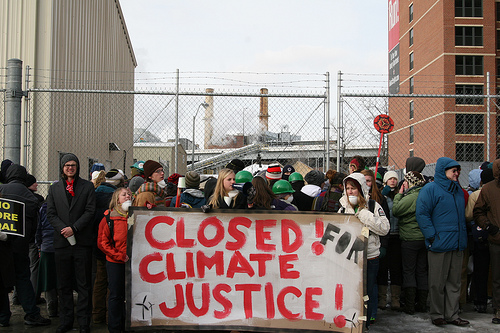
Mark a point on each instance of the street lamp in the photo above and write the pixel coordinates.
(205, 105)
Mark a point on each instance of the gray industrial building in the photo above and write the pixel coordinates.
(71, 44)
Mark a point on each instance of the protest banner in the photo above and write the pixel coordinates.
(12, 217)
(245, 270)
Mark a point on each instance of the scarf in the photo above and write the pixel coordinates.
(69, 187)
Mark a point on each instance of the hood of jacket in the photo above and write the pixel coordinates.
(440, 178)
(311, 190)
(361, 180)
(65, 159)
(475, 178)
(194, 192)
(496, 168)
(16, 172)
(105, 188)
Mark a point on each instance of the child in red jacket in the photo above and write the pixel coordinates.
(112, 240)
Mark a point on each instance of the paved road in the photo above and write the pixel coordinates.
(388, 321)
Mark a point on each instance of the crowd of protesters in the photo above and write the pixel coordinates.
(422, 232)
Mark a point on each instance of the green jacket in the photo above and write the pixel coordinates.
(405, 207)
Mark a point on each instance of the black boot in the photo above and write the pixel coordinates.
(410, 295)
(422, 300)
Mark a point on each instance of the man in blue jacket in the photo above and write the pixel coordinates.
(441, 218)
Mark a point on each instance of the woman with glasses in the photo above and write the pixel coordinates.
(150, 193)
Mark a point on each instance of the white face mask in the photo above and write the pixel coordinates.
(353, 199)
(232, 193)
(289, 199)
(162, 183)
(126, 205)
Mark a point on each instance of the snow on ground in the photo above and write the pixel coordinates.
(391, 321)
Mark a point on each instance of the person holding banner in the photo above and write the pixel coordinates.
(225, 196)
(112, 241)
(17, 193)
(356, 200)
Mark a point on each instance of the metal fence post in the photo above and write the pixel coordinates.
(327, 121)
(339, 117)
(176, 148)
(488, 114)
(12, 118)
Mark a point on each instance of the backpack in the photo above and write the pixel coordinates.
(111, 226)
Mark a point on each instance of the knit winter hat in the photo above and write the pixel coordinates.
(95, 174)
(390, 174)
(236, 165)
(174, 178)
(487, 176)
(114, 177)
(273, 171)
(139, 165)
(30, 180)
(97, 167)
(287, 169)
(484, 165)
(192, 179)
(338, 179)
(414, 178)
(150, 167)
(3, 169)
(315, 177)
(135, 183)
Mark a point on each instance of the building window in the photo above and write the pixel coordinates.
(498, 39)
(412, 109)
(411, 61)
(469, 123)
(469, 152)
(411, 134)
(469, 36)
(411, 12)
(412, 85)
(468, 8)
(469, 89)
(410, 34)
(468, 65)
(498, 10)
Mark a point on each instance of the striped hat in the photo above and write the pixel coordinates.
(273, 171)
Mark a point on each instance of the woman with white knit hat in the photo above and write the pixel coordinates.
(391, 262)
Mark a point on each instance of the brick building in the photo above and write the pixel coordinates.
(444, 47)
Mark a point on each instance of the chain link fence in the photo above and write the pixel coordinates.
(201, 121)
(462, 126)
(258, 118)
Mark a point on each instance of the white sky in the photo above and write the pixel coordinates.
(313, 36)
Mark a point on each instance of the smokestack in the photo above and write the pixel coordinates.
(264, 112)
(209, 115)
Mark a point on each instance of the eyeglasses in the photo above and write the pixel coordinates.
(455, 170)
(159, 171)
(70, 165)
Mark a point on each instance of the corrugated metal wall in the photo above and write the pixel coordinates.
(72, 44)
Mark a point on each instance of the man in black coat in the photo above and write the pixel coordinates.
(15, 189)
(70, 210)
